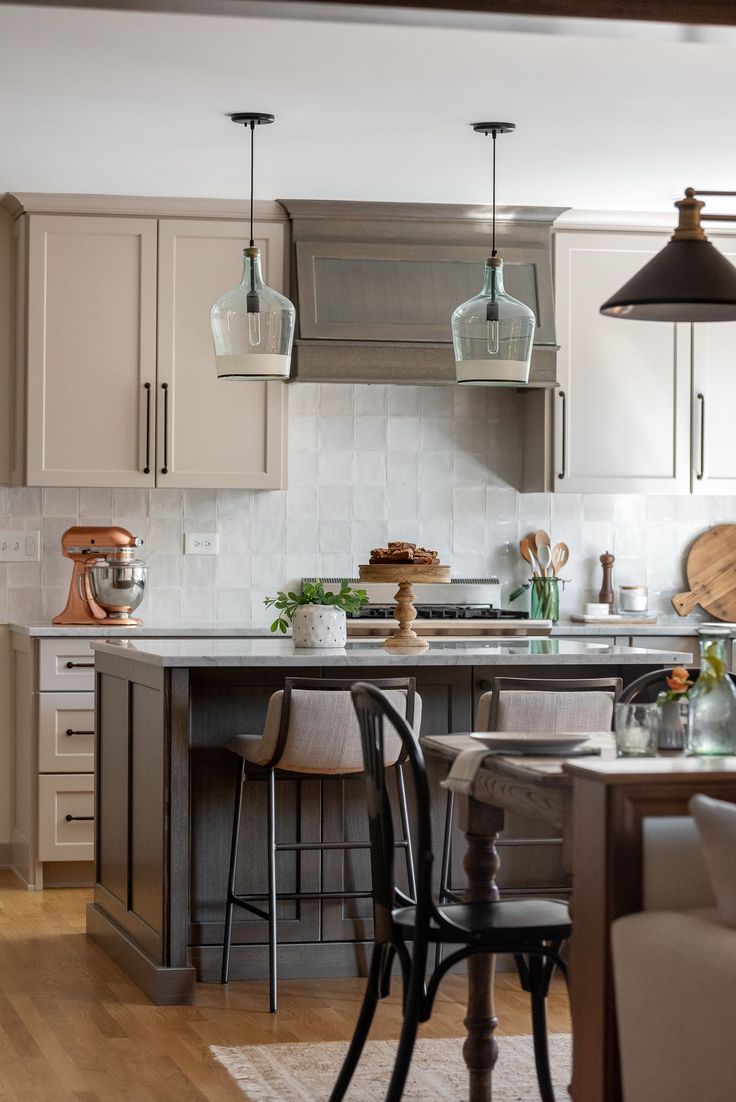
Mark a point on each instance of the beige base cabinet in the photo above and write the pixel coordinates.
(53, 825)
(115, 354)
(622, 410)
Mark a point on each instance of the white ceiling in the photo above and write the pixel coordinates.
(135, 103)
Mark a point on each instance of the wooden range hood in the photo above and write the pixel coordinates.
(375, 285)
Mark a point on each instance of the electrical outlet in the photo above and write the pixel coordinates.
(200, 543)
(20, 546)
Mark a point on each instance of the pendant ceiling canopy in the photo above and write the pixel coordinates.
(493, 333)
(252, 325)
(688, 281)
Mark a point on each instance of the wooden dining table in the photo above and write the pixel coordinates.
(599, 804)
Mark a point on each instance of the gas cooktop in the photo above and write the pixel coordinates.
(441, 612)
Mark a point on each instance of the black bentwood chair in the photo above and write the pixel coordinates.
(532, 930)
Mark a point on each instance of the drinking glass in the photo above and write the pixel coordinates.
(637, 730)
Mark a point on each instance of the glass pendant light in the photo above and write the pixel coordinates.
(252, 325)
(493, 333)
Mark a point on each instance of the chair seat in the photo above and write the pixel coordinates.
(510, 922)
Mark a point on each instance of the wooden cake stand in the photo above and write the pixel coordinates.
(405, 575)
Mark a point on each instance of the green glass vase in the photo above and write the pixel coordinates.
(711, 724)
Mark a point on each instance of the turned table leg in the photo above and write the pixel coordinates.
(481, 824)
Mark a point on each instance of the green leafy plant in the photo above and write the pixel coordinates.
(313, 593)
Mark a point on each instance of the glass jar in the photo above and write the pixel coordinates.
(711, 724)
(632, 598)
(545, 602)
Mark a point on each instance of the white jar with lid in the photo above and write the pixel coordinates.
(632, 598)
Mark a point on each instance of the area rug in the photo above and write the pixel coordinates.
(307, 1072)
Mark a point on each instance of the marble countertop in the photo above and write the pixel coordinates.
(667, 626)
(363, 652)
(682, 627)
(190, 631)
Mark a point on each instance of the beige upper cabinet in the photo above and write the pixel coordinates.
(212, 432)
(90, 350)
(116, 355)
(714, 400)
(622, 411)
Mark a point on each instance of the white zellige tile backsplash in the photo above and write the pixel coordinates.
(437, 465)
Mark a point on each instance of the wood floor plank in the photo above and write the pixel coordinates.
(73, 1028)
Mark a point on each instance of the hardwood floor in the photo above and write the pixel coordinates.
(73, 1028)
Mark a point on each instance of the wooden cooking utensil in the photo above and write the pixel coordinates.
(541, 539)
(560, 555)
(526, 553)
(711, 574)
(544, 555)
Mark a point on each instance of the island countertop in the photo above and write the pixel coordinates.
(229, 653)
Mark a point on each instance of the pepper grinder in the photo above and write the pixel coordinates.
(606, 596)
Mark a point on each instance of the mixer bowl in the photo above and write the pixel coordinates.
(118, 587)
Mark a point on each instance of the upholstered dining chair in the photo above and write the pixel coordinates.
(532, 930)
(310, 730)
(558, 705)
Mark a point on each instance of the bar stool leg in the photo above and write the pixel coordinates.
(230, 906)
(272, 931)
(445, 866)
(404, 812)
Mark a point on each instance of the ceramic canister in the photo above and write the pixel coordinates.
(319, 626)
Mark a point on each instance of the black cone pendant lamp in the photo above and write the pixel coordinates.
(493, 333)
(689, 280)
(252, 325)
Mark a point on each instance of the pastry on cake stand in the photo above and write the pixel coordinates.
(405, 574)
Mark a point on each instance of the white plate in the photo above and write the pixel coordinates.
(532, 743)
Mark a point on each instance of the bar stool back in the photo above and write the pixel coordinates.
(535, 704)
(311, 729)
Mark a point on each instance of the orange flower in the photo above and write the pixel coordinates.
(679, 682)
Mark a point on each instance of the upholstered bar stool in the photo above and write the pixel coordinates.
(311, 730)
(535, 704)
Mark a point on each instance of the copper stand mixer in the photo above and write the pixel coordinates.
(108, 581)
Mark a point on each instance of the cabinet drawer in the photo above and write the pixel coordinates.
(66, 806)
(66, 665)
(66, 734)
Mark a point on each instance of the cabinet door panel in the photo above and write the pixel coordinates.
(714, 398)
(622, 413)
(91, 348)
(220, 433)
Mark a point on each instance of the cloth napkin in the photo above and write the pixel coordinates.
(464, 769)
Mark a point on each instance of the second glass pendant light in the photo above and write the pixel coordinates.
(493, 333)
(252, 325)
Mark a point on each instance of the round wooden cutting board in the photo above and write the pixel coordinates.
(711, 574)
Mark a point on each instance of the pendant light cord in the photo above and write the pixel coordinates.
(493, 175)
(252, 133)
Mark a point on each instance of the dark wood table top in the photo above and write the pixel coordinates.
(546, 769)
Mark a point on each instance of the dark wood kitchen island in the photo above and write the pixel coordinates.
(165, 710)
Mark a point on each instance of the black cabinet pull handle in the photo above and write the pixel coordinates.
(165, 388)
(563, 397)
(701, 399)
(147, 388)
(79, 818)
(70, 731)
(80, 665)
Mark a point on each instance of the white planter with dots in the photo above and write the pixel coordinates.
(319, 626)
